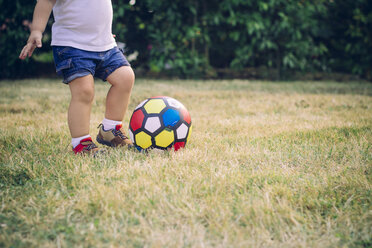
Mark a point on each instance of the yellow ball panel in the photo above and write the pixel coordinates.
(165, 138)
(188, 136)
(143, 140)
(154, 106)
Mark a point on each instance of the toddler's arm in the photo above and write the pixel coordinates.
(42, 12)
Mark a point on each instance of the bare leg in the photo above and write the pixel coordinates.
(121, 80)
(82, 95)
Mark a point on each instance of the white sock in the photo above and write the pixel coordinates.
(110, 124)
(76, 141)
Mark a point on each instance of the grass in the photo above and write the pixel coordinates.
(284, 164)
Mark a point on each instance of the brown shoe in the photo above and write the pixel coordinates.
(86, 146)
(113, 137)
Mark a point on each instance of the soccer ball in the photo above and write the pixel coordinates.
(160, 123)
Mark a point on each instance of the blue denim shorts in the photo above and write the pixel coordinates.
(72, 63)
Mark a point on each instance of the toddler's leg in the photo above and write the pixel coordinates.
(121, 80)
(111, 132)
(82, 95)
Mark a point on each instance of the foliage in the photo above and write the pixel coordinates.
(166, 33)
(270, 33)
(15, 19)
(13, 34)
(188, 37)
(193, 38)
(350, 36)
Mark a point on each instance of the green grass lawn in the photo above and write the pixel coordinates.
(269, 164)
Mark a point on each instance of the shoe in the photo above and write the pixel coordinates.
(86, 146)
(113, 137)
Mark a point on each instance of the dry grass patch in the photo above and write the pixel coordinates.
(284, 164)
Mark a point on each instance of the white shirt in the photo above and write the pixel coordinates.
(83, 24)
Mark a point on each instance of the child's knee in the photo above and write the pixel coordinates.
(87, 94)
(84, 94)
(131, 75)
(123, 77)
(127, 77)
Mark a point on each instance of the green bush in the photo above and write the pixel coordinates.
(349, 36)
(277, 34)
(191, 38)
(15, 18)
(194, 38)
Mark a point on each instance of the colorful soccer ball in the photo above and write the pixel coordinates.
(160, 123)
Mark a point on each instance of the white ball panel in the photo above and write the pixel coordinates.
(182, 131)
(174, 103)
(152, 124)
(131, 136)
(141, 104)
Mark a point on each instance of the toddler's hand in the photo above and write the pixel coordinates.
(33, 41)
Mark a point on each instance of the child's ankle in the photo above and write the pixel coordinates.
(76, 141)
(110, 124)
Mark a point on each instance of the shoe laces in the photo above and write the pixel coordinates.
(117, 132)
(89, 145)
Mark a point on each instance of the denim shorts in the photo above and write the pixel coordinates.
(72, 63)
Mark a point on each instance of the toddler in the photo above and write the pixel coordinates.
(83, 48)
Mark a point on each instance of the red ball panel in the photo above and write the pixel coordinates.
(186, 115)
(159, 97)
(179, 145)
(137, 120)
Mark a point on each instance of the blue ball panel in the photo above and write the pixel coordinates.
(171, 117)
